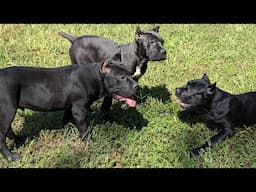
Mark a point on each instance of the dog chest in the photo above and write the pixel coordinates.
(137, 74)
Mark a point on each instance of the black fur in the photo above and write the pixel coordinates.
(72, 88)
(221, 109)
(147, 46)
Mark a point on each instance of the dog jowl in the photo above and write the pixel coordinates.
(147, 46)
(219, 108)
(71, 88)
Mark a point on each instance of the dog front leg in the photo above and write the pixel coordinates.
(80, 113)
(105, 108)
(219, 137)
(67, 118)
(193, 111)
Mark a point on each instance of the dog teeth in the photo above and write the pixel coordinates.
(185, 105)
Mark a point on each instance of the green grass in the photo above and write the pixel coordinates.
(152, 135)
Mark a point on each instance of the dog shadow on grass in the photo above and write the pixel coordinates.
(159, 92)
(130, 117)
(193, 119)
(34, 123)
(122, 115)
(185, 117)
(37, 121)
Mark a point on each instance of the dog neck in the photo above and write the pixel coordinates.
(101, 78)
(132, 50)
(218, 96)
(139, 51)
(96, 78)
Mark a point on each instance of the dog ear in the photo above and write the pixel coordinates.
(117, 57)
(138, 34)
(104, 67)
(211, 89)
(137, 29)
(156, 29)
(206, 78)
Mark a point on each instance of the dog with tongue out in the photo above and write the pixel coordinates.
(148, 45)
(119, 82)
(130, 102)
(72, 88)
(115, 81)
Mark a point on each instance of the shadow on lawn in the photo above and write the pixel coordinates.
(34, 123)
(159, 92)
(130, 117)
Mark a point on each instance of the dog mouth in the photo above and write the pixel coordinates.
(129, 100)
(161, 58)
(164, 56)
(185, 105)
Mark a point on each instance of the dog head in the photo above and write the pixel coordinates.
(197, 92)
(150, 44)
(117, 81)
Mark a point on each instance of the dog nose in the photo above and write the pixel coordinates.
(163, 51)
(177, 90)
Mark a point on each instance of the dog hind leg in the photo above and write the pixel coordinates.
(6, 118)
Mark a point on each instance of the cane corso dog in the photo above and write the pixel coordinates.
(147, 46)
(71, 88)
(220, 109)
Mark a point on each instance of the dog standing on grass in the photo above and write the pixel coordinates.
(71, 88)
(221, 109)
(147, 46)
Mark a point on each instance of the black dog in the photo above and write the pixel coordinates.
(219, 108)
(147, 46)
(72, 88)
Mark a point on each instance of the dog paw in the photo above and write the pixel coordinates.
(19, 140)
(15, 156)
(66, 129)
(92, 139)
(86, 138)
(194, 152)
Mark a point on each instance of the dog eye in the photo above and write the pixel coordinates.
(122, 77)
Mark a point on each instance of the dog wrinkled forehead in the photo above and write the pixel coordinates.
(197, 84)
(119, 69)
(153, 35)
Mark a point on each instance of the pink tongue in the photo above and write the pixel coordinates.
(130, 102)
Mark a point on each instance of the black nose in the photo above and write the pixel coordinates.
(163, 51)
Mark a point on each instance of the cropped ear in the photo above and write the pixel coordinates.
(117, 57)
(138, 34)
(137, 29)
(211, 89)
(206, 78)
(104, 67)
(156, 29)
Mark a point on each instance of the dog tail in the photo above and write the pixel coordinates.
(69, 37)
